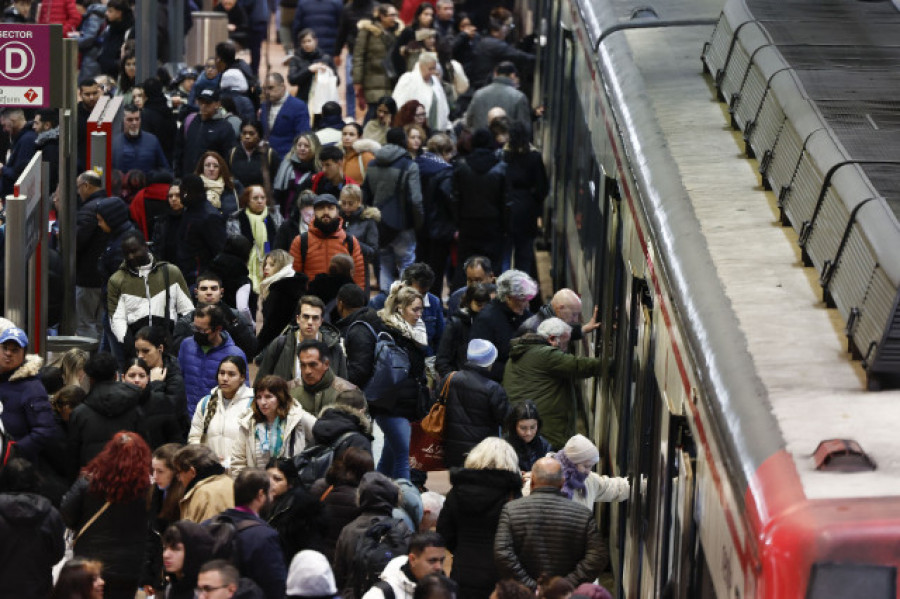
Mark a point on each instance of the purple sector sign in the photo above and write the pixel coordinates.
(25, 65)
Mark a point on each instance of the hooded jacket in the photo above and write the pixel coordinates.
(476, 408)
(544, 374)
(27, 415)
(246, 451)
(322, 247)
(468, 523)
(279, 307)
(90, 242)
(31, 543)
(373, 45)
(337, 420)
(395, 574)
(115, 212)
(201, 235)
(280, 357)
(260, 557)
(392, 169)
(200, 368)
(198, 549)
(109, 407)
(451, 353)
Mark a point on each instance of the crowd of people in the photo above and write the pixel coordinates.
(276, 275)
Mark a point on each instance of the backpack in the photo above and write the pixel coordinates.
(396, 214)
(391, 367)
(384, 539)
(313, 462)
(225, 532)
(304, 247)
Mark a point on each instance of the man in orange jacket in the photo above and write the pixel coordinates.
(312, 251)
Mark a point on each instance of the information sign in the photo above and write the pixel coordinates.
(30, 57)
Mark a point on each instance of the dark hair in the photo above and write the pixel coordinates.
(18, 476)
(418, 273)
(519, 138)
(215, 313)
(69, 396)
(226, 570)
(483, 261)
(319, 346)
(331, 108)
(248, 484)
(510, 589)
(87, 82)
(388, 102)
(49, 116)
(311, 300)
(525, 410)
(226, 52)
(171, 537)
(253, 123)
(101, 367)
(396, 136)
(421, 541)
(355, 125)
(139, 362)
(556, 587)
(331, 153)
(130, 108)
(192, 190)
(76, 579)
(155, 335)
(287, 467)
(350, 467)
(435, 586)
(506, 68)
(278, 387)
(209, 275)
(406, 114)
(224, 170)
(482, 138)
(480, 293)
(52, 379)
(238, 245)
(160, 176)
(499, 126)
(238, 362)
(197, 456)
(169, 508)
(134, 234)
(304, 32)
(352, 296)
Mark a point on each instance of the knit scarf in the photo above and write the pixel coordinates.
(214, 189)
(416, 333)
(265, 284)
(261, 245)
(574, 479)
(264, 433)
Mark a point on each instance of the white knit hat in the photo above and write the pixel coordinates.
(481, 353)
(310, 576)
(580, 450)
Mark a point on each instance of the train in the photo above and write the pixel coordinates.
(737, 390)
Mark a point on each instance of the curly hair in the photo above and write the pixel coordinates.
(278, 387)
(121, 472)
(407, 113)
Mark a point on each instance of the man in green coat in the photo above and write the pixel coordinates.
(318, 386)
(539, 369)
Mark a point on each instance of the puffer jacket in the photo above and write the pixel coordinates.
(298, 65)
(339, 509)
(468, 522)
(164, 407)
(451, 353)
(381, 183)
(570, 546)
(497, 323)
(338, 420)
(280, 356)
(297, 435)
(396, 574)
(31, 543)
(200, 369)
(373, 44)
(321, 248)
(27, 415)
(323, 17)
(216, 134)
(479, 185)
(363, 224)
(224, 425)
(63, 12)
(297, 516)
(237, 324)
(476, 409)
(200, 236)
(545, 374)
(357, 159)
(109, 407)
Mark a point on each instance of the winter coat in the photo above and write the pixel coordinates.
(476, 408)
(143, 152)
(112, 257)
(201, 235)
(479, 184)
(235, 278)
(260, 557)
(27, 416)
(157, 118)
(544, 374)
(297, 517)
(279, 307)
(89, 42)
(292, 120)
(250, 169)
(211, 495)
(321, 395)
(395, 575)
(298, 64)
(497, 323)
(531, 452)
(322, 16)
(339, 508)
(237, 325)
(116, 538)
(200, 368)
(468, 522)
(351, 14)
(165, 243)
(451, 353)
(360, 344)
(164, 407)
(337, 420)
(321, 248)
(438, 202)
(215, 134)
(408, 393)
(148, 205)
(501, 92)
(31, 543)
(280, 356)
(488, 53)
(246, 451)
(544, 312)
(90, 241)
(133, 300)
(292, 174)
(433, 317)
(393, 169)
(47, 143)
(23, 148)
(111, 46)
(569, 546)
(109, 407)
(224, 425)
(373, 45)
(198, 549)
(62, 12)
(363, 225)
(357, 159)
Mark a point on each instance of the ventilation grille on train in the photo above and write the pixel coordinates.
(823, 119)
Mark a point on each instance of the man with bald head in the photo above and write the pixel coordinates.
(566, 305)
(547, 534)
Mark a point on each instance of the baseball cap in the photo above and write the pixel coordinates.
(208, 95)
(14, 334)
(325, 198)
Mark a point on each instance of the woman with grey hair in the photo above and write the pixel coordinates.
(499, 321)
(489, 479)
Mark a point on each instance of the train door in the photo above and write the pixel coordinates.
(563, 123)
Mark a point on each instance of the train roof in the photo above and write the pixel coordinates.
(813, 390)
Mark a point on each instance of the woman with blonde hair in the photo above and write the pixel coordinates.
(279, 291)
(489, 479)
(72, 365)
(258, 221)
(295, 173)
(217, 180)
(276, 427)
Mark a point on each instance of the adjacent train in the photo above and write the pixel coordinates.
(732, 392)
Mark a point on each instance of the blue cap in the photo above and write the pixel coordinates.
(481, 353)
(14, 334)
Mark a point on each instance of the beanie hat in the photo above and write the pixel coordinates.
(114, 211)
(592, 591)
(580, 450)
(481, 353)
(310, 575)
(233, 80)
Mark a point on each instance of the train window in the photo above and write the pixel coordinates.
(852, 580)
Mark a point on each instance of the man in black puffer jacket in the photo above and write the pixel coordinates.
(476, 406)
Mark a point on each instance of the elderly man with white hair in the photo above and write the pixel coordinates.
(423, 84)
(539, 369)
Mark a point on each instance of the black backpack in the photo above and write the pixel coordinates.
(384, 539)
(313, 462)
(225, 532)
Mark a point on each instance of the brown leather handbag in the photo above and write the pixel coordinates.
(433, 422)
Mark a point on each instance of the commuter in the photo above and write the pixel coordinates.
(377, 497)
(351, 14)
(207, 489)
(137, 149)
(352, 307)
(109, 407)
(186, 546)
(200, 233)
(112, 219)
(476, 270)
(362, 223)
(571, 544)
(90, 30)
(582, 484)
(510, 589)
(444, 20)
(376, 129)
(238, 23)
(540, 369)
(374, 40)
(165, 240)
(275, 427)
(211, 291)
(89, 90)
(435, 238)
(565, 305)
(318, 386)
(302, 214)
(151, 345)
(423, 84)
(220, 576)
(259, 554)
(310, 575)
(344, 424)
(161, 422)
(488, 480)
(415, 137)
(311, 57)
(46, 126)
(26, 416)
(23, 137)
(329, 123)
(200, 355)
(218, 183)
(502, 92)
(150, 204)
(392, 185)
(31, 533)
(451, 354)
(209, 131)
(435, 586)
(322, 19)
(331, 179)
(119, 19)
(464, 44)
(294, 512)
(255, 222)
(216, 421)
(141, 290)
(281, 356)
(338, 492)
(411, 112)
(427, 552)
(80, 578)
(254, 162)
(157, 117)
(492, 50)
(358, 152)
(498, 321)
(283, 116)
(258, 13)
(297, 166)
(107, 505)
(420, 20)
(420, 277)
(90, 242)
(165, 493)
(180, 90)
(312, 251)
(230, 265)
(279, 291)
(523, 433)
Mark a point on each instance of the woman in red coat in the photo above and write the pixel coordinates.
(62, 12)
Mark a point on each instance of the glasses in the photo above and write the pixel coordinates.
(421, 115)
(197, 329)
(206, 590)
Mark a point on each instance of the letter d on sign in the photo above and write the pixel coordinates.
(15, 61)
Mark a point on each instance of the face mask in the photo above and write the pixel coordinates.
(202, 338)
(327, 228)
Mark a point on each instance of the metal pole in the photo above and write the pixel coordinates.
(176, 35)
(40, 268)
(16, 292)
(145, 49)
(67, 204)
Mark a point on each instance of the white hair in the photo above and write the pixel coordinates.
(433, 502)
(493, 453)
(515, 283)
(554, 327)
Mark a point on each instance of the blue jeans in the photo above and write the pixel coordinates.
(394, 462)
(395, 257)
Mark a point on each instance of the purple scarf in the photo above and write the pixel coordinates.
(574, 478)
